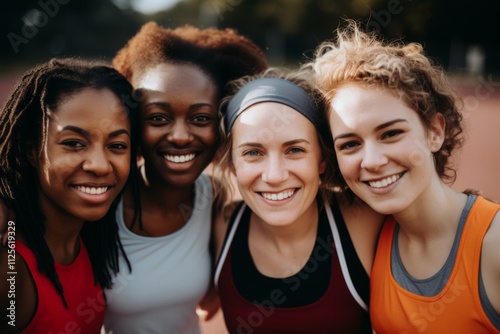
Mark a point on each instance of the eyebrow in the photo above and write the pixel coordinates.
(377, 128)
(87, 135)
(288, 143)
(166, 105)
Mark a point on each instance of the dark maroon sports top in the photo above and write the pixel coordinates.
(320, 298)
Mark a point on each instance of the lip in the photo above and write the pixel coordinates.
(384, 184)
(278, 197)
(94, 193)
(179, 160)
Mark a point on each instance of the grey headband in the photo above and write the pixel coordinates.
(270, 90)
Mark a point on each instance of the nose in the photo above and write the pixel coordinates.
(275, 170)
(97, 162)
(374, 157)
(180, 134)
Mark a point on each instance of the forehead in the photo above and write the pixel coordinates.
(166, 77)
(271, 121)
(355, 104)
(91, 108)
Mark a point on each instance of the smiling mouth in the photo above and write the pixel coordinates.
(385, 181)
(278, 196)
(92, 190)
(179, 158)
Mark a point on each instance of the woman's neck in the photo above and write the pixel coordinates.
(304, 227)
(434, 213)
(63, 239)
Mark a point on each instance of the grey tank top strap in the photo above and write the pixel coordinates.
(435, 284)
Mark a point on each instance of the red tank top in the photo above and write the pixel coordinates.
(86, 305)
(456, 309)
(336, 311)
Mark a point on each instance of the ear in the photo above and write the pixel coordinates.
(437, 132)
(322, 166)
(32, 154)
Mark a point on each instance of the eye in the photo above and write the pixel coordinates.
(73, 144)
(350, 145)
(119, 146)
(391, 133)
(252, 153)
(201, 119)
(158, 118)
(295, 150)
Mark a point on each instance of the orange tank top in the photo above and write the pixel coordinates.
(456, 309)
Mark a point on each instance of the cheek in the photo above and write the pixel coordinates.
(210, 137)
(121, 165)
(245, 173)
(149, 135)
(348, 165)
(413, 153)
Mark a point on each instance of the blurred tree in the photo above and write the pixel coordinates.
(38, 30)
(289, 30)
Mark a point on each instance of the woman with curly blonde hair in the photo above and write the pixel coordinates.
(395, 122)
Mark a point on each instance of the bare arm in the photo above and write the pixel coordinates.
(210, 303)
(490, 263)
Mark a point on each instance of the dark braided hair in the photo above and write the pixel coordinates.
(23, 121)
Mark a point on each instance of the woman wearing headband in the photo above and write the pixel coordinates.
(292, 258)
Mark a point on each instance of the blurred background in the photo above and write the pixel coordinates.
(461, 36)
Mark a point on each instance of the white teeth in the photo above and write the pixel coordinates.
(92, 190)
(179, 158)
(279, 196)
(384, 182)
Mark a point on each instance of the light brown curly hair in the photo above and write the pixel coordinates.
(363, 58)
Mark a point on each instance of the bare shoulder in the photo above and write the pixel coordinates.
(358, 213)
(490, 262)
(364, 225)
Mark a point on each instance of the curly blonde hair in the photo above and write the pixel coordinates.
(363, 58)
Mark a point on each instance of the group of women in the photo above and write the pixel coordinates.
(346, 223)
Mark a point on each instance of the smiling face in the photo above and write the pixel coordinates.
(383, 150)
(86, 160)
(277, 162)
(178, 123)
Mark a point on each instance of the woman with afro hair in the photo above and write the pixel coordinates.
(179, 77)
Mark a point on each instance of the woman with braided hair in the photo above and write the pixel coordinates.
(179, 76)
(66, 140)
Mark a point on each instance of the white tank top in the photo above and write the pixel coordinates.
(170, 274)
